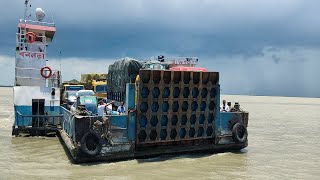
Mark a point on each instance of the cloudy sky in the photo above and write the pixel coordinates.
(259, 47)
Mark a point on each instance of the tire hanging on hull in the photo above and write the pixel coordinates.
(91, 143)
(239, 133)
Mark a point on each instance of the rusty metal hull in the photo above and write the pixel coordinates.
(107, 155)
(124, 145)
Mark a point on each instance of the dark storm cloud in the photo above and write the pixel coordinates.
(116, 28)
(294, 75)
(260, 47)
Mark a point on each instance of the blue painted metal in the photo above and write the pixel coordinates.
(119, 121)
(130, 96)
(68, 123)
(132, 126)
(23, 114)
(225, 118)
(119, 128)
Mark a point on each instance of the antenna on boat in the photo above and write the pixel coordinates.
(26, 8)
(60, 59)
(52, 18)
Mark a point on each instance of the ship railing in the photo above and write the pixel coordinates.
(26, 44)
(176, 61)
(37, 46)
(23, 21)
(22, 39)
(39, 122)
(52, 81)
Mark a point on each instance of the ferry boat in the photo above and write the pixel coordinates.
(36, 88)
(171, 106)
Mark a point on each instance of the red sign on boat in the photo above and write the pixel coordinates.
(32, 55)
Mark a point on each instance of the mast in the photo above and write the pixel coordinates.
(26, 9)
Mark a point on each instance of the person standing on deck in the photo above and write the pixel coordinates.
(224, 107)
(101, 108)
(121, 108)
(109, 108)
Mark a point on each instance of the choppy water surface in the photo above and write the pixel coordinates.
(284, 143)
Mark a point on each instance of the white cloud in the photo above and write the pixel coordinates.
(71, 68)
(277, 71)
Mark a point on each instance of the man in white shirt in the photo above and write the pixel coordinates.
(101, 108)
(109, 108)
(224, 107)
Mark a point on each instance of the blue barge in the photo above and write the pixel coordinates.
(168, 112)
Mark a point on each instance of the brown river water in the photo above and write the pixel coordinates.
(284, 143)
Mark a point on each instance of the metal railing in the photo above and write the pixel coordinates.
(23, 21)
(53, 80)
(40, 122)
(37, 46)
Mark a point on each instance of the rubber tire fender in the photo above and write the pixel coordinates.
(235, 133)
(91, 137)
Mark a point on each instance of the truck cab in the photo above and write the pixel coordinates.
(85, 100)
(69, 94)
(99, 88)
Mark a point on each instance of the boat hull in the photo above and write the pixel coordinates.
(123, 143)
